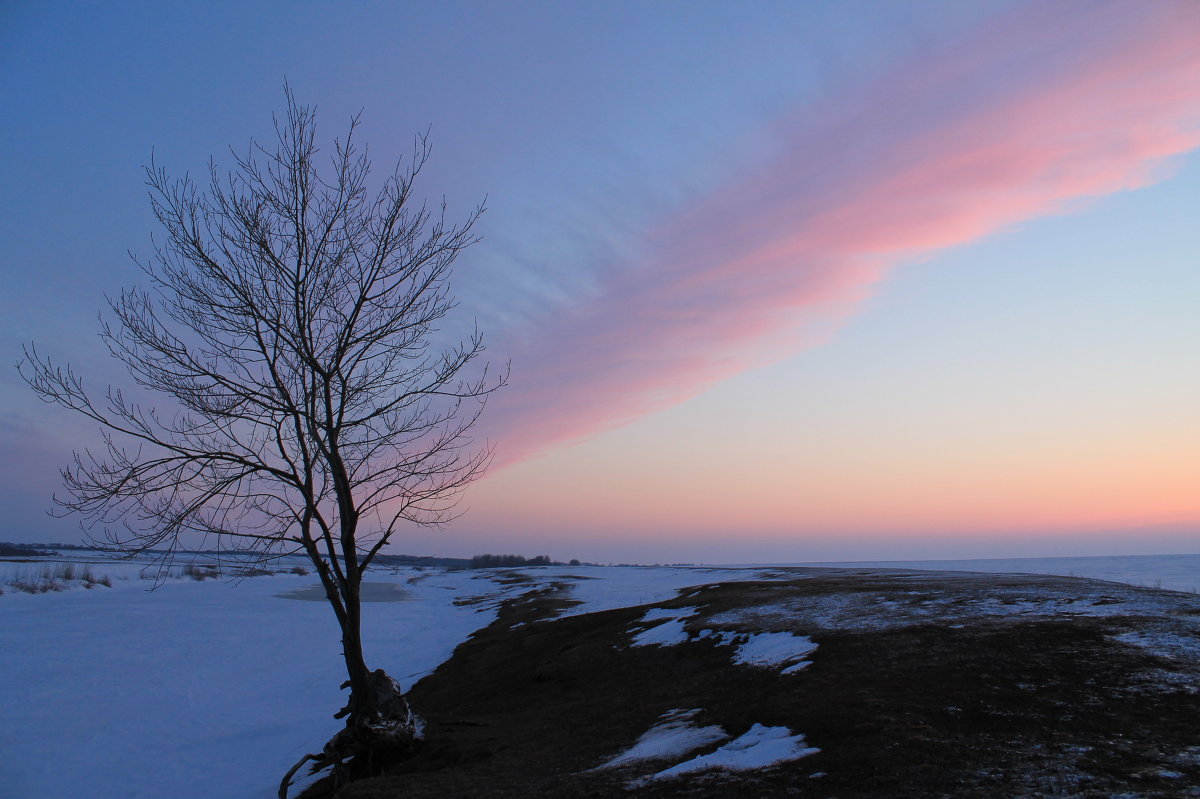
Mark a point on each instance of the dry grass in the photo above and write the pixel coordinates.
(200, 571)
(60, 577)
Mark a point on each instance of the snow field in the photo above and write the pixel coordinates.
(198, 689)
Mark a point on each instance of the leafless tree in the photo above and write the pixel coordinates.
(289, 319)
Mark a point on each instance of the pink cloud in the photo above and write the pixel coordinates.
(1051, 105)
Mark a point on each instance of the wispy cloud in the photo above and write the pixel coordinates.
(1052, 104)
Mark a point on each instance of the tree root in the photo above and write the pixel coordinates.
(287, 778)
(356, 750)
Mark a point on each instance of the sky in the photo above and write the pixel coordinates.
(787, 281)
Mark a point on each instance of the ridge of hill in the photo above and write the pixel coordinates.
(874, 682)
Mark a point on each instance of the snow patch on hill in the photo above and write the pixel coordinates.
(672, 737)
(765, 650)
(759, 747)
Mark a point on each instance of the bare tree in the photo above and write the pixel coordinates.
(289, 318)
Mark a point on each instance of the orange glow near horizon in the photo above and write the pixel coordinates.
(959, 481)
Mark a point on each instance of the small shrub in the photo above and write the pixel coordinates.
(56, 578)
(35, 585)
(200, 572)
(90, 580)
(299, 570)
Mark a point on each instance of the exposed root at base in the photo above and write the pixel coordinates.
(363, 748)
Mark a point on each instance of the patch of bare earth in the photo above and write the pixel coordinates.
(922, 685)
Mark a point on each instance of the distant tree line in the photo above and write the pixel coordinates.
(422, 560)
(494, 561)
(15, 549)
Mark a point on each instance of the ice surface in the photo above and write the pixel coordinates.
(673, 737)
(759, 747)
(370, 592)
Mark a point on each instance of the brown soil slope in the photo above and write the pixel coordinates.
(922, 685)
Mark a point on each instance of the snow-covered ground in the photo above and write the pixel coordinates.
(206, 688)
(198, 689)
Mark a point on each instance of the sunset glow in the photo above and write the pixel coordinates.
(787, 282)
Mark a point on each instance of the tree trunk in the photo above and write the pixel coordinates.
(380, 725)
(360, 706)
(378, 716)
